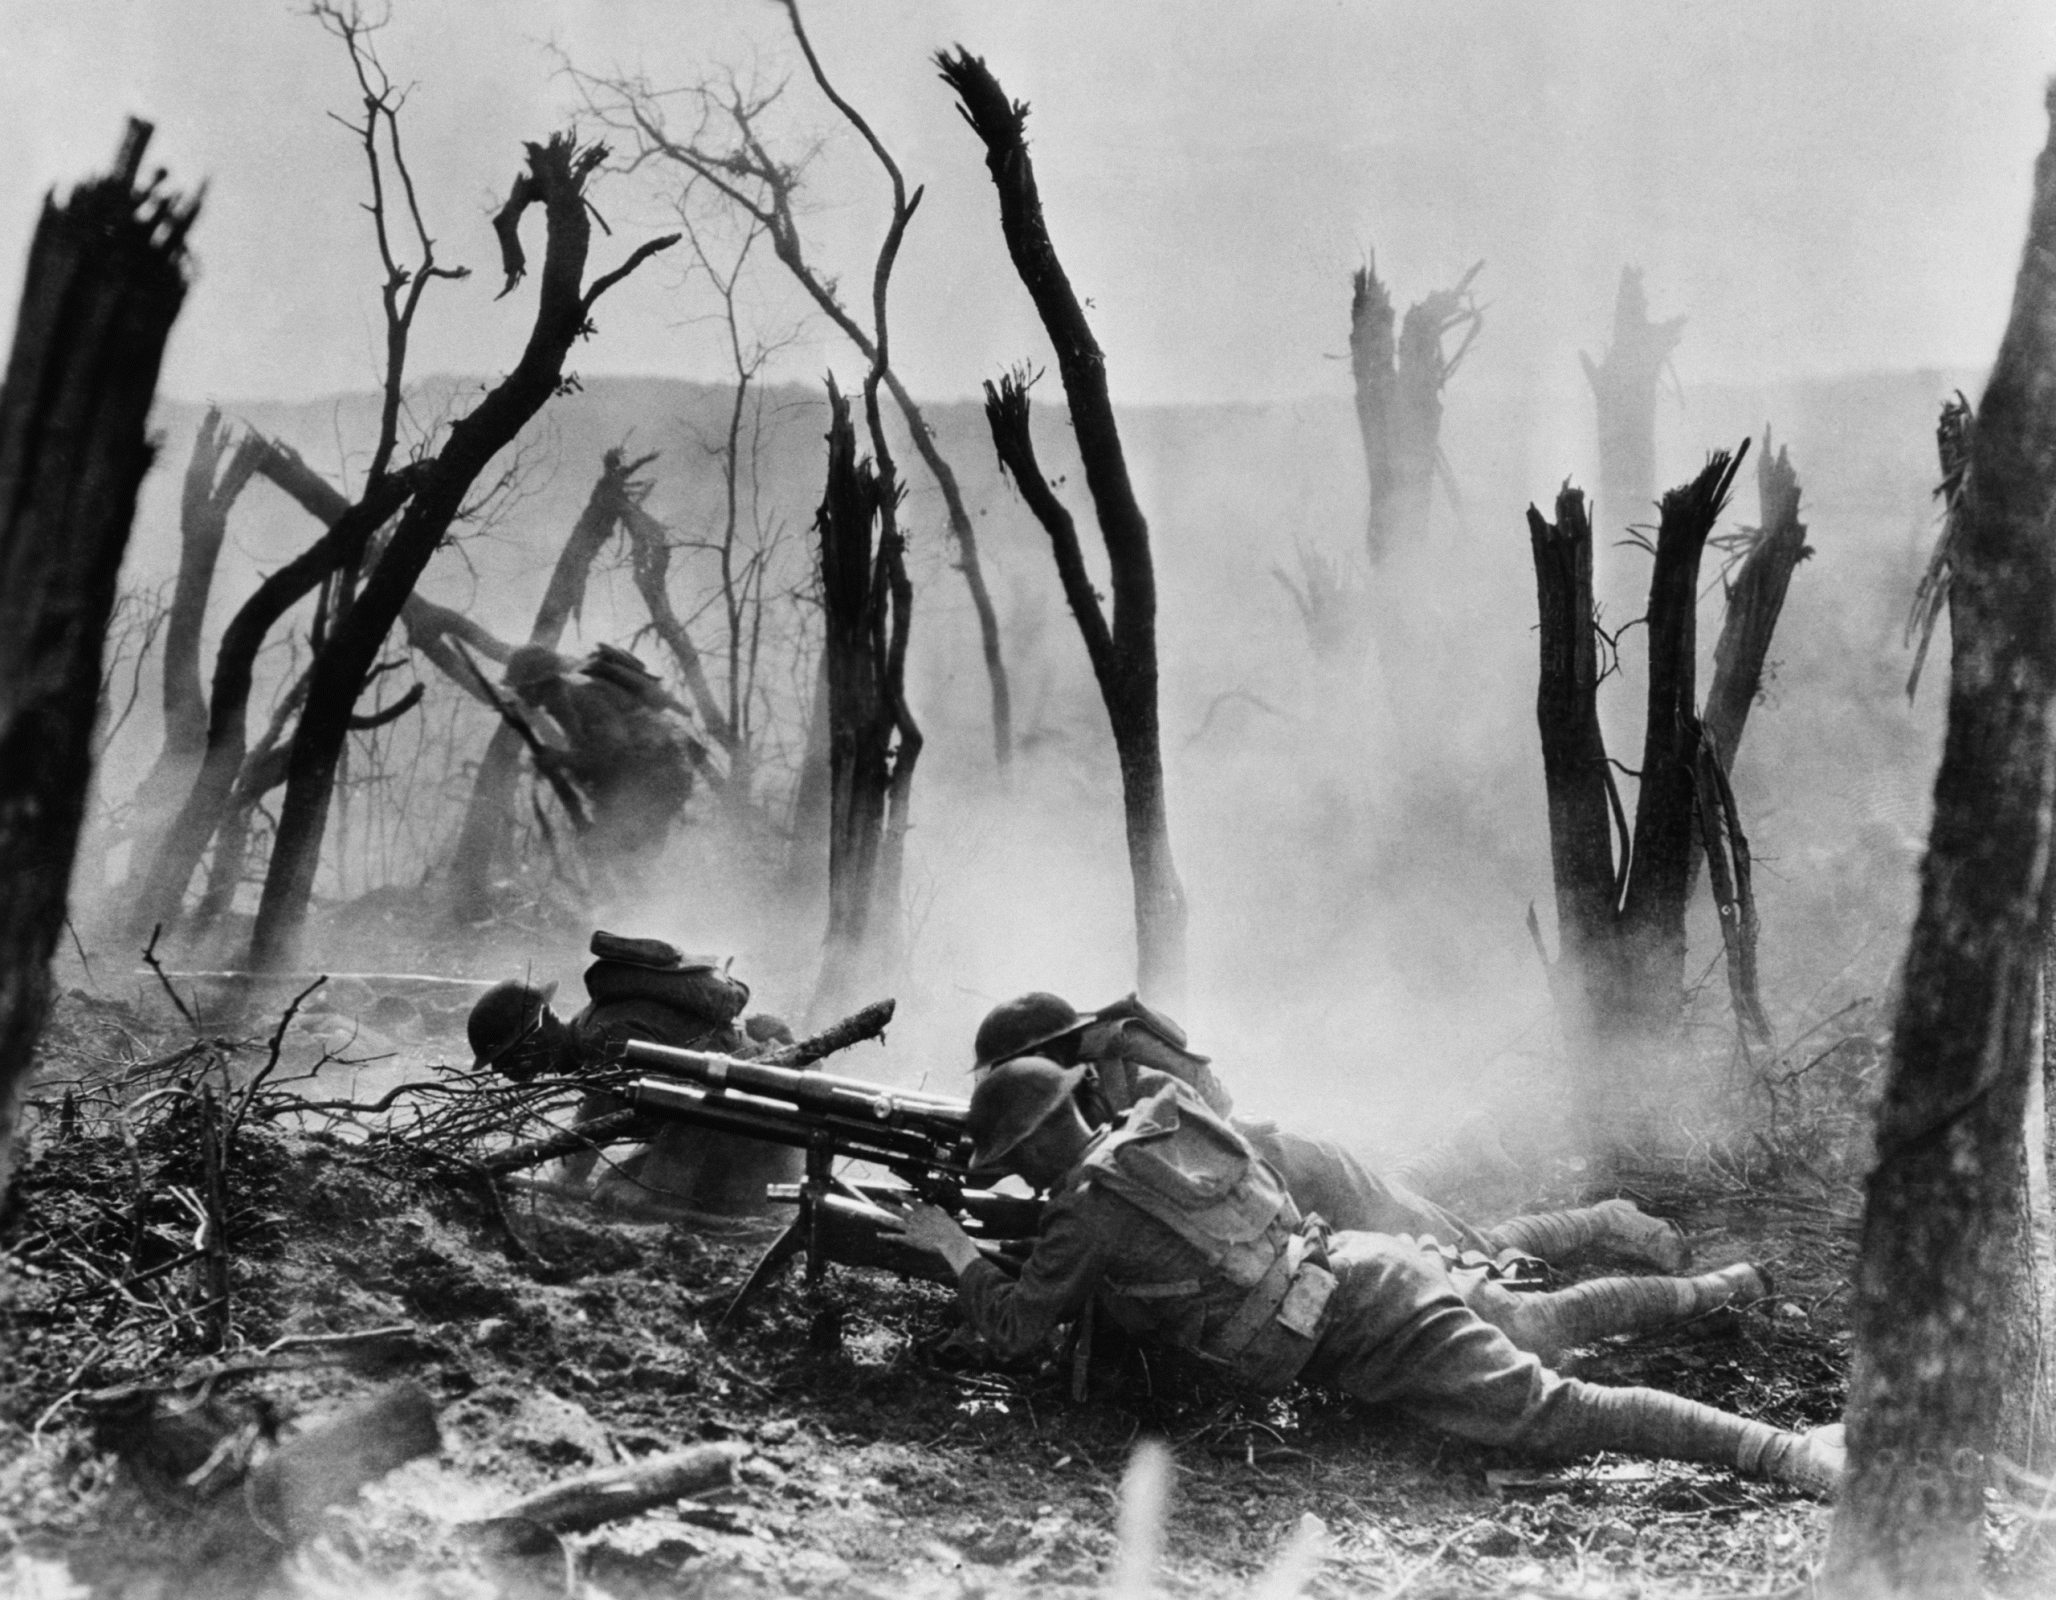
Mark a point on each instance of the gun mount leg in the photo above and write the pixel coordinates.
(804, 1234)
(787, 1245)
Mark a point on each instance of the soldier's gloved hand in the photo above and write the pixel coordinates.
(933, 1228)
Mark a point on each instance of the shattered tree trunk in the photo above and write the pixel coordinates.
(1755, 600)
(209, 492)
(210, 800)
(106, 277)
(786, 245)
(488, 818)
(1127, 665)
(1399, 386)
(1624, 391)
(872, 745)
(1940, 1225)
(430, 630)
(555, 177)
(1619, 981)
(1372, 359)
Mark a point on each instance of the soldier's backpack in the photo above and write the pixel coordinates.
(1176, 1161)
(651, 969)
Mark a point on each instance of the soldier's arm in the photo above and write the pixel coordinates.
(1056, 1282)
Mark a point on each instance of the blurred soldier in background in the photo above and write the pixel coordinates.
(1127, 1052)
(649, 990)
(620, 738)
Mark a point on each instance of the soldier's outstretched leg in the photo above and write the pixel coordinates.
(1549, 1324)
(1400, 1333)
(1619, 1225)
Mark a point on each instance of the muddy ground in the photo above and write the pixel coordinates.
(879, 1465)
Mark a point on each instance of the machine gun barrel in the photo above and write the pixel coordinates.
(732, 1110)
(940, 1117)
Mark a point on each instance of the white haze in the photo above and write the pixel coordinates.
(1833, 197)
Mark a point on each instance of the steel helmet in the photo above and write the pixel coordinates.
(1012, 1101)
(1022, 1024)
(506, 1014)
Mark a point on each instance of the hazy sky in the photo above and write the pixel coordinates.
(1819, 187)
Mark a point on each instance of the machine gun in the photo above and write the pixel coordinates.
(917, 1137)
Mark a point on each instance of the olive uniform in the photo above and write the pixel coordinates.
(1178, 1231)
(1130, 1049)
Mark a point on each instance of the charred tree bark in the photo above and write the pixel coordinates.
(1756, 599)
(1931, 1365)
(1129, 686)
(488, 817)
(1584, 803)
(1652, 914)
(1620, 893)
(1624, 390)
(106, 278)
(872, 746)
(555, 177)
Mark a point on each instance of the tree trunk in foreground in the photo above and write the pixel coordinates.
(106, 277)
(1624, 390)
(1130, 644)
(1932, 1365)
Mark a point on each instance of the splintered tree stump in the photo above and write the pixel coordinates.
(1624, 384)
(106, 277)
(866, 605)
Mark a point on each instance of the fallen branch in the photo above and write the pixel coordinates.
(869, 1023)
(612, 1493)
(616, 1127)
(242, 975)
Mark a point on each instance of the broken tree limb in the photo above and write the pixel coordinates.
(1755, 600)
(1575, 773)
(612, 1493)
(616, 1127)
(1160, 909)
(1727, 875)
(1652, 914)
(869, 1023)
